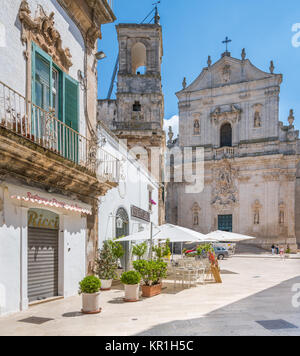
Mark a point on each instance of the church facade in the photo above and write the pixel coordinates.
(251, 159)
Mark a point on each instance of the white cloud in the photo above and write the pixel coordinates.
(174, 122)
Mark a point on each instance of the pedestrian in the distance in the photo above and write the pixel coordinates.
(273, 249)
(282, 255)
(277, 249)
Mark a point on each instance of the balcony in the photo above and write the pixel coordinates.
(36, 145)
(224, 152)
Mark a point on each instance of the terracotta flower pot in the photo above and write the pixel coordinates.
(106, 284)
(151, 291)
(132, 292)
(91, 303)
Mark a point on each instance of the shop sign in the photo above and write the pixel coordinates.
(140, 214)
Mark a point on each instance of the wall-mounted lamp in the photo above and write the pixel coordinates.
(100, 55)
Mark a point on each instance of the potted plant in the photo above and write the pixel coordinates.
(140, 250)
(131, 281)
(107, 263)
(152, 273)
(162, 250)
(89, 287)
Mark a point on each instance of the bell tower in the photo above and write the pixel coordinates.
(137, 114)
(140, 101)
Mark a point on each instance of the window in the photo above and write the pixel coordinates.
(226, 135)
(137, 107)
(54, 89)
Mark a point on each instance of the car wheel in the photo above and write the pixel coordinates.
(221, 257)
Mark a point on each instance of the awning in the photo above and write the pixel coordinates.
(40, 198)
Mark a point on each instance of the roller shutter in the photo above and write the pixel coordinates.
(42, 264)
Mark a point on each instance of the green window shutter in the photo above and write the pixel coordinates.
(71, 118)
(41, 78)
(71, 103)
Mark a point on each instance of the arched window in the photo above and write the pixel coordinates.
(139, 58)
(122, 229)
(226, 135)
(122, 223)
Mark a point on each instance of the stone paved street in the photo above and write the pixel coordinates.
(254, 289)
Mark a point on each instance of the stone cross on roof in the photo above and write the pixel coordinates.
(227, 41)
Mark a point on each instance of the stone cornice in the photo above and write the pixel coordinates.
(89, 15)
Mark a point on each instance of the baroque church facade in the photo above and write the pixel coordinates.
(251, 159)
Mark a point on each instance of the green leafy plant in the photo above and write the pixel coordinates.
(117, 249)
(152, 272)
(106, 264)
(162, 250)
(205, 249)
(89, 285)
(131, 278)
(139, 250)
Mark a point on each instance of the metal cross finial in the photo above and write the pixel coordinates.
(227, 40)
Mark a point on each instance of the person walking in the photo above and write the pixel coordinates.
(282, 254)
(273, 249)
(277, 249)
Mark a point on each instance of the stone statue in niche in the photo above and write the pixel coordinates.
(256, 210)
(226, 73)
(196, 127)
(170, 135)
(256, 217)
(281, 217)
(257, 119)
(281, 213)
(196, 209)
(196, 219)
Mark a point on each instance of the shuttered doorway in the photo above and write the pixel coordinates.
(42, 264)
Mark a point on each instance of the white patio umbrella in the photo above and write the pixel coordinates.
(169, 232)
(225, 236)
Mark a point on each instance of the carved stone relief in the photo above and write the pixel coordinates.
(231, 113)
(41, 30)
(225, 194)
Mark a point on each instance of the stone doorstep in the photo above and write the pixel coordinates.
(48, 300)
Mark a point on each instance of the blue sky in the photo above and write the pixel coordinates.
(194, 29)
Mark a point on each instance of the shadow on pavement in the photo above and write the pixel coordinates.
(240, 318)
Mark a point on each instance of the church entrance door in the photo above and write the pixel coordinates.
(225, 223)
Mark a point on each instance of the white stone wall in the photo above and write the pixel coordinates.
(13, 250)
(132, 190)
(12, 60)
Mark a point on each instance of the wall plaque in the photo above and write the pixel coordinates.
(140, 214)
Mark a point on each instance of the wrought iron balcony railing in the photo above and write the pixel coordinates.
(29, 121)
